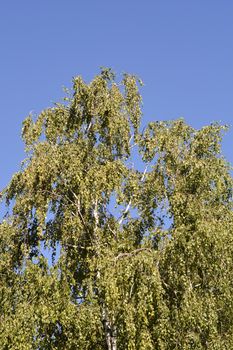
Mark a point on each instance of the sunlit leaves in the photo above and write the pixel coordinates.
(141, 256)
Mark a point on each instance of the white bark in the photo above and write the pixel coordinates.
(110, 331)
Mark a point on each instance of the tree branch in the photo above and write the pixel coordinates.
(132, 253)
(120, 220)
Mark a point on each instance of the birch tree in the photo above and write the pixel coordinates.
(138, 223)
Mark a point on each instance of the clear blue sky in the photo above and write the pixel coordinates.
(183, 51)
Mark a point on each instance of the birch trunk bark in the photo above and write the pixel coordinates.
(110, 330)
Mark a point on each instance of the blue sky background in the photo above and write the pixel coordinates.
(183, 51)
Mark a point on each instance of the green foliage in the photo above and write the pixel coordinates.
(142, 256)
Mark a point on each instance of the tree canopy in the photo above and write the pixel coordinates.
(137, 220)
